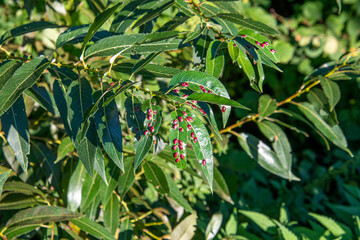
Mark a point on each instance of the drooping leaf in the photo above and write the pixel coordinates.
(214, 226)
(220, 187)
(264, 156)
(75, 187)
(126, 179)
(98, 22)
(153, 13)
(23, 78)
(175, 194)
(13, 232)
(215, 59)
(202, 147)
(194, 34)
(7, 68)
(210, 117)
(179, 19)
(200, 46)
(3, 177)
(99, 164)
(42, 96)
(109, 130)
(246, 23)
(280, 143)
(126, 16)
(39, 215)
(142, 147)
(143, 62)
(149, 70)
(215, 99)
(334, 133)
(196, 79)
(60, 98)
(181, 4)
(331, 90)
(13, 202)
(245, 64)
(23, 188)
(111, 214)
(27, 28)
(261, 75)
(159, 145)
(185, 229)
(92, 228)
(112, 174)
(113, 45)
(156, 176)
(16, 128)
(233, 51)
(158, 36)
(267, 106)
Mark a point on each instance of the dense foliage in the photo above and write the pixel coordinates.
(179, 119)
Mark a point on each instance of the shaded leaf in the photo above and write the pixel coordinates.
(142, 147)
(23, 78)
(126, 230)
(14, 202)
(181, 4)
(111, 214)
(7, 68)
(175, 194)
(42, 96)
(267, 106)
(264, 156)
(156, 176)
(220, 187)
(331, 90)
(27, 28)
(16, 128)
(126, 180)
(90, 191)
(194, 34)
(112, 173)
(3, 177)
(215, 59)
(39, 215)
(13, 232)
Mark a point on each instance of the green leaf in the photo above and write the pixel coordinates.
(75, 186)
(7, 69)
(153, 13)
(149, 70)
(65, 147)
(202, 147)
(210, 117)
(285, 232)
(264, 156)
(127, 16)
(329, 224)
(109, 130)
(215, 99)
(14, 202)
(90, 191)
(126, 180)
(99, 164)
(142, 147)
(158, 36)
(331, 90)
(156, 176)
(220, 187)
(261, 75)
(111, 214)
(194, 34)
(246, 66)
(60, 98)
(98, 22)
(77, 34)
(261, 220)
(280, 143)
(113, 45)
(249, 24)
(13, 232)
(233, 51)
(181, 4)
(27, 28)
(3, 177)
(42, 96)
(200, 46)
(175, 194)
(265, 49)
(40, 215)
(23, 78)
(227, 27)
(334, 133)
(92, 228)
(209, 82)
(267, 106)
(126, 230)
(214, 226)
(23, 188)
(215, 59)
(178, 138)
(179, 19)
(16, 128)
(185, 229)
(143, 62)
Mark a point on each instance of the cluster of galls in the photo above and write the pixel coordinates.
(262, 45)
(149, 117)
